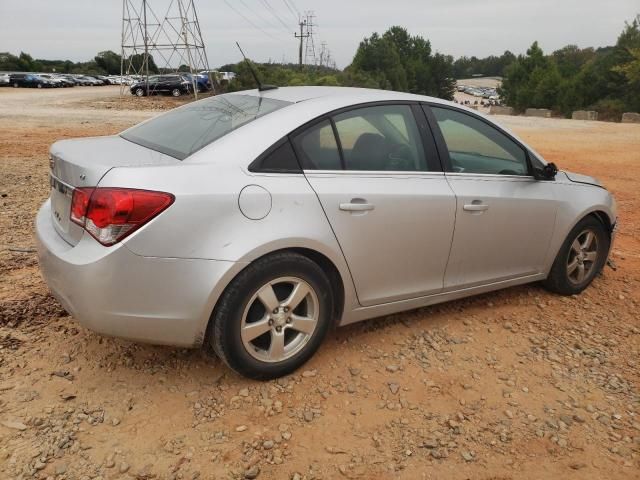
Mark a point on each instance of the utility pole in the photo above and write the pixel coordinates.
(146, 46)
(303, 34)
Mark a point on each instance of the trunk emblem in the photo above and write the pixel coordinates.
(83, 176)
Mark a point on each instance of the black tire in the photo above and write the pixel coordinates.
(223, 334)
(559, 280)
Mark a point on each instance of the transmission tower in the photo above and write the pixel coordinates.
(310, 48)
(173, 40)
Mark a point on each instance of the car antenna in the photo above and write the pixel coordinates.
(261, 87)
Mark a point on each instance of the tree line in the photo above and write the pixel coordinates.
(605, 79)
(394, 60)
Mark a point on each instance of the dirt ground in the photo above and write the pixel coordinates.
(518, 384)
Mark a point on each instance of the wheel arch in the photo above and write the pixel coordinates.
(600, 213)
(323, 261)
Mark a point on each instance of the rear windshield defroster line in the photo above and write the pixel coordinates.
(183, 131)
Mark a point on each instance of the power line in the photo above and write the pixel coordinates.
(250, 22)
(258, 15)
(268, 6)
(293, 5)
(293, 13)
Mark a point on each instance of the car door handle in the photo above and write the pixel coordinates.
(475, 207)
(356, 207)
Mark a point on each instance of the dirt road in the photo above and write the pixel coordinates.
(510, 385)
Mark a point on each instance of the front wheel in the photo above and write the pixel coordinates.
(176, 92)
(139, 92)
(582, 256)
(273, 316)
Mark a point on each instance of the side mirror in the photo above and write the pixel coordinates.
(547, 172)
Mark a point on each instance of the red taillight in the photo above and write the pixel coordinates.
(110, 214)
(79, 204)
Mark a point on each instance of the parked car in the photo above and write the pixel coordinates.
(174, 85)
(93, 81)
(202, 81)
(66, 81)
(29, 80)
(54, 80)
(4, 80)
(252, 222)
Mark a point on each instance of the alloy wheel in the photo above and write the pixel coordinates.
(279, 319)
(582, 257)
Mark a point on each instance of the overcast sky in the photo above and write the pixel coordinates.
(77, 29)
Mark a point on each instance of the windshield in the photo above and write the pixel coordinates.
(186, 130)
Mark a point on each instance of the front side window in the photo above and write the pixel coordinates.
(185, 130)
(380, 138)
(477, 147)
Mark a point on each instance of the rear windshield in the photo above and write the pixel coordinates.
(186, 130)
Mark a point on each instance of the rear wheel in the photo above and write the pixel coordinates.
(272, 317)
(581, 258)
(39, 85)
(16, 84)
(176, 92)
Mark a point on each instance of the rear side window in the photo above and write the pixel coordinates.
(279, 159)
(185, 130)
(381, 138)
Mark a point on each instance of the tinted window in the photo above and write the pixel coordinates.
(186, 130)
(279, 159)
(477, 147)
(317, 148)
(381, 138)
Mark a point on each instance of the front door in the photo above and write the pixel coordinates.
(376, 175)
(504, 217)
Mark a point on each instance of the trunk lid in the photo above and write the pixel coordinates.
(82, 163)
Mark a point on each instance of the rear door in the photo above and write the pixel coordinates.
(505, 217)
(379, 181)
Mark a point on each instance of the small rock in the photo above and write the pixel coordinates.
(468, 456)
(123, 468)
(241, 428)
(252, 472)
(394, 387)
(15, 425)
(267, 444)
(309, 373)
(393, 368)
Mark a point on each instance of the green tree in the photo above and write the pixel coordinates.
(109, 62)
(399, 61)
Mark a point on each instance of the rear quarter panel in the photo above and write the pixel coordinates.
(205, 221)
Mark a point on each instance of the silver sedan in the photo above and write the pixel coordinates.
(253, 222)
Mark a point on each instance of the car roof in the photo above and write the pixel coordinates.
(301, 94)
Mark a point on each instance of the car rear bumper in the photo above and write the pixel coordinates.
(115, 292)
